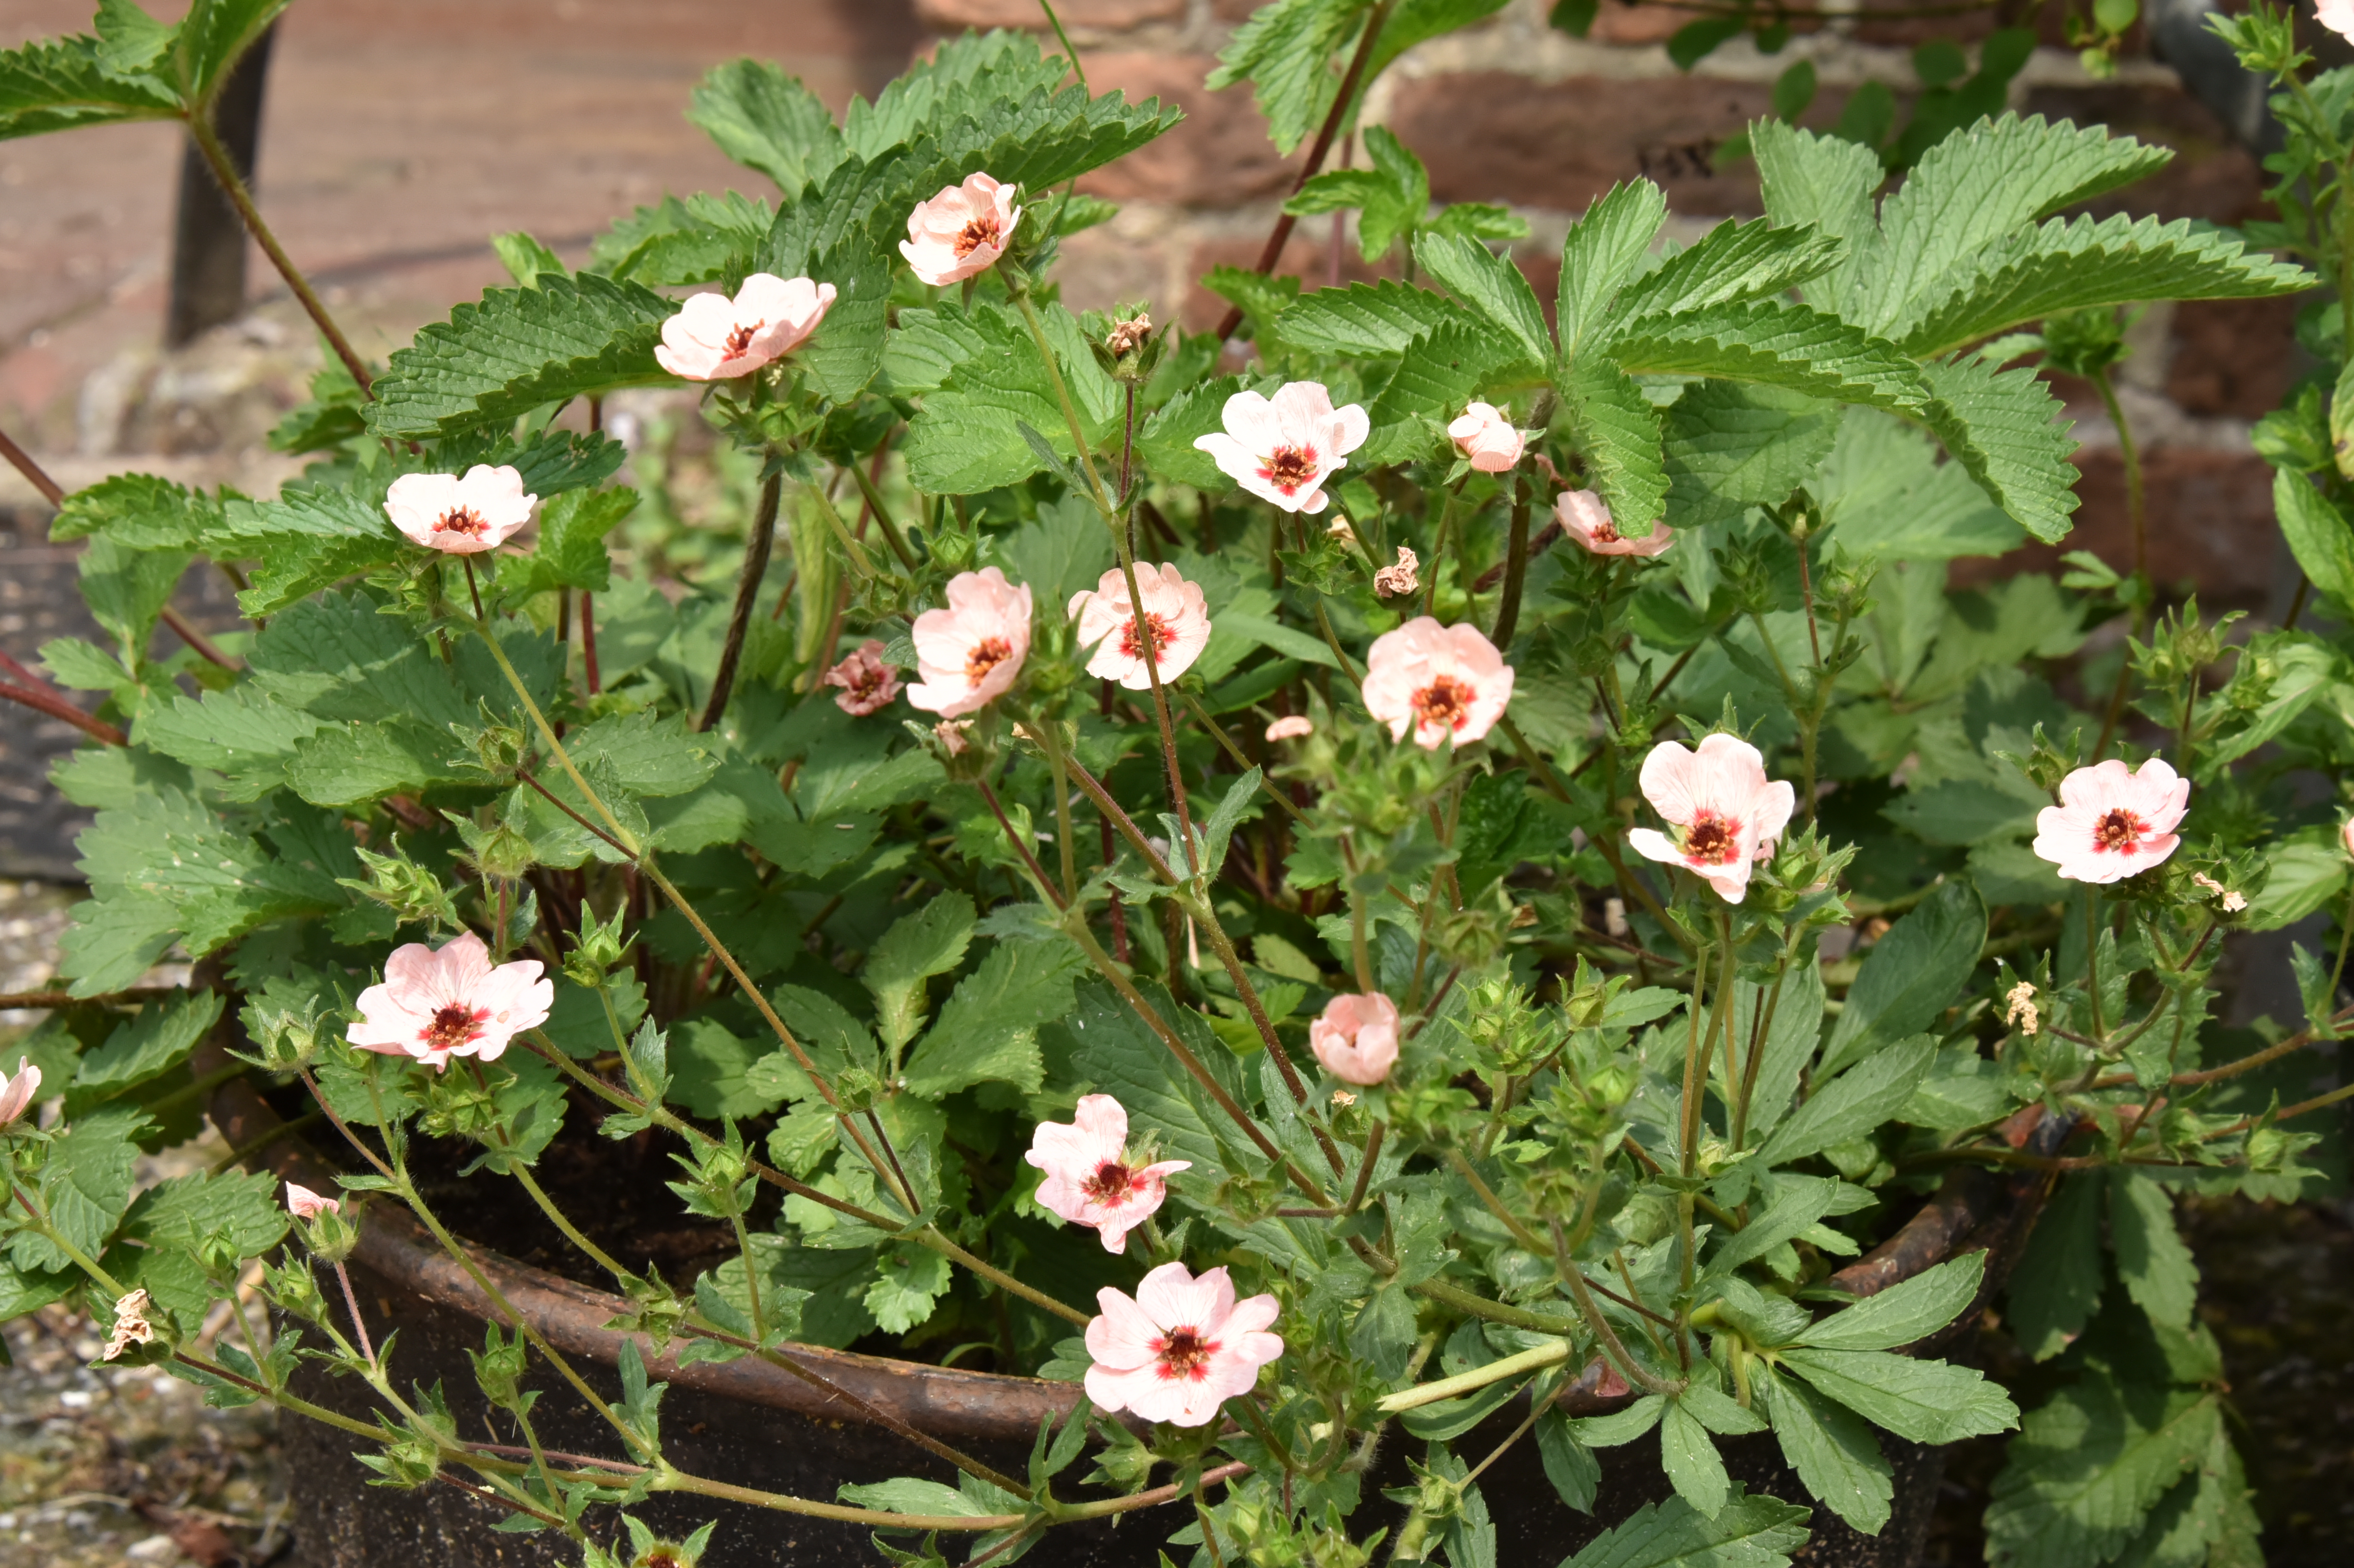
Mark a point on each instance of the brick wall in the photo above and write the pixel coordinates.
(1515, 112)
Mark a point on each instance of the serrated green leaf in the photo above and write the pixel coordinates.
(2057, 1285)
(648, 755)
(1852, 1104)
(2317, 534)
(240, 1205)
(58, 84)
(1688, 1456)
(1166, 445)
(1886, 493)
(157, 1039)
(929, 942)
(2080, 265)
(571, 552)
(1826, 181)
(907, 1495)
(768, 120)
(2157, 1269)
(1598, 257)
(1369, 319)
(1973, 188)
(140, 510)
(1616, 431)
(127, 588)
(1730, 447)
(700, 238)
(1747, 1532)
(1903, 1313)
(968, 435)
(1491, 285)
(2001, 426)
(1832, 1450)
(1285, 51)
(84, 1186)
(1795, 1203)
(1926, 1402)
(1733, 261)
(518, 349)
(240, 733)
(2086, 1468)
(908, 1282)
(1436, 376)
(1912, 975)
(988, 1028)
(1790, 346)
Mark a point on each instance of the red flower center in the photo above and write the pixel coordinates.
(2118, 830)
(462, 520)
(740, 339)
(1606, 534)
(1111, 1183)
(1445, 702)
(987, 654)
(1288, 468)
(1185, 1354)
(981, 231)
(454, 1026)
(1712, 839)
(1164, 634)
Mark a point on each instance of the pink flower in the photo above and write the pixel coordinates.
(970, 652)
(1356, 1037)
(867, 683)
(464, 517)
(455, 1003)
(2112, 821)
(304, 1204)
(1485, 435)
(1585, 517)
(1727, 812)
(1283, 449)
(1444, 682)
(2337, 16)
(1181, 1349)
(17, 1090)
(1090, 1179)
(1174, 609)
(1291, 727)
(712, 338)
(961, 231)
(2345, 833)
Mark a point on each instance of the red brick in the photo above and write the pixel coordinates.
(2233, 357)
(2211, 524)
(2211, 177)
(1218, 157)
(1492, 136)
(1620, 22)
(1911, 32)
(1109, 15)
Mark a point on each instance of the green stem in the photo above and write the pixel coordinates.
(1532, 1361)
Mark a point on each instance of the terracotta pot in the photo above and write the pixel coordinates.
(754, 1425)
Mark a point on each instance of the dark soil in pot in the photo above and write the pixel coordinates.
(717, 1424)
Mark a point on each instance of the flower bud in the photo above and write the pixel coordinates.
(598, 949)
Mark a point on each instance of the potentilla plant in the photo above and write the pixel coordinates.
(1415, 883)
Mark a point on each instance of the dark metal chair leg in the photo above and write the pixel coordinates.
(208, 242)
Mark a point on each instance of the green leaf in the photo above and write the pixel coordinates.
(1832, 1450)
(2159, 1271)
(1961, 811)
(1974, 189)
(1436, 377)
(2057, 1285)
(2088, 1466)
(768, 120)
(2086, 264)
(59, 84)
(1491, 285)
(1699, 38)
(1285, 51)
(212, 38)
(1853, 1104)
(1616, 431)
(1598, 257)
(2317, 534)
(1885, 491)
(648, 755)
(1369, 319)
(1903, 1313)
(1166, 446)
(352, 764)
(2300, 669)
(1733, 261)
(518, 349)
(967, 436)
(909, 1280)
(525, 257)
(1783, 346)
(240, 733)
(1747, 1532)
(1795, 1203)
(1926, 1402)
(138, 510)
(1115, 1053)
(1730, 447)
(988, 1028)
(1789, 1043)
(907, 1495)
(127, 588)
(710, 1073)
(929, 942)
(571, 551)
(1911, 976)
(701, 239)
(240, 1207)
(1826, 181)
(84, 1186)
(1690, 1458)
(156, 1039)
(1569, 1465)
(1963, 1089)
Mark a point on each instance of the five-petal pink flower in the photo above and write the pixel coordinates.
(1090, 1178)
(304, 1204)
(867, 683)
(17, 1091)
(961, 231)
(970, 652)
(1174, 609)
(2337, 16)
(1356, 1037)
(1443, 682)
(1585, 517)
(1485, 436)
(2113, 821)
(1284, 448)
(1181, 1348)
(454, 1003)
(1725, 812)
(464, 516)
(714, 338)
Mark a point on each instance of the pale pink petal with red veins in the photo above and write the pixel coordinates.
(304, 1204)
(23, 1085)
(1128, 1387)
(2114, 822)
(1174, 1297)
(1125, 1334)
(971, 650)
(1104, 1119)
